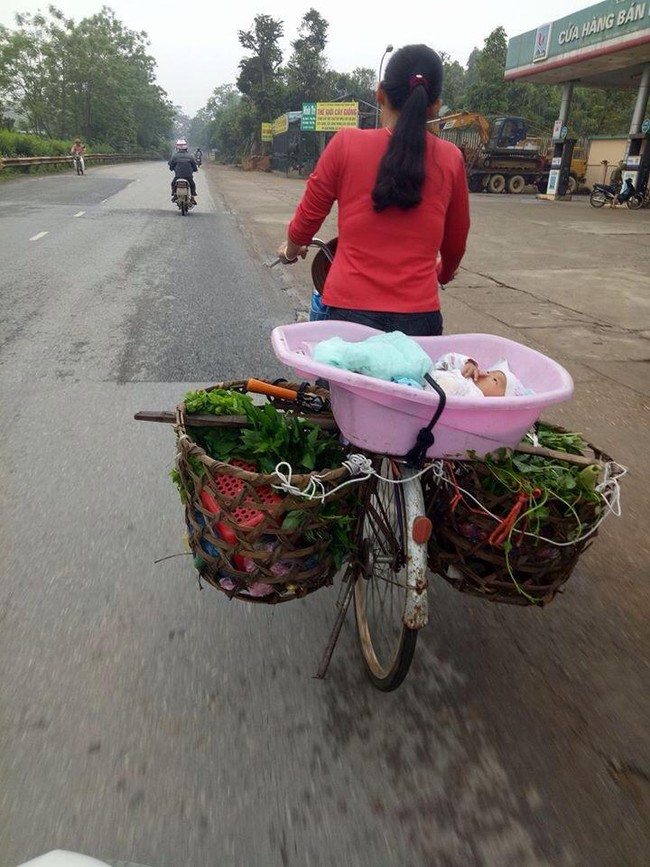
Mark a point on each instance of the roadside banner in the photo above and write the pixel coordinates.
(267, 132)
(331, 116)
(280, 124)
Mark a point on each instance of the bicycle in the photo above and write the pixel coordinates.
(400, 442)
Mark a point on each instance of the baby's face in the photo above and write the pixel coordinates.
(492, 383)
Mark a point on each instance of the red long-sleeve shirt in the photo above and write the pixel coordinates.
(386, 261)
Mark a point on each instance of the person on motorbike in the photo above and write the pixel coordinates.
(183, 165)
(198, 156)
(78, 150)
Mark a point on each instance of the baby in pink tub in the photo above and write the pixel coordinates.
(460, 376)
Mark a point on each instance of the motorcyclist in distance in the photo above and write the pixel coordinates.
(183, 165)
(198, 156)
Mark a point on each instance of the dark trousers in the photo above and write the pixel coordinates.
(414, 324)
(190, 182)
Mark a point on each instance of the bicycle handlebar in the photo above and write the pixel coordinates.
(315, 242)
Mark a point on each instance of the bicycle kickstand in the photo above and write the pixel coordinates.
(343, 605)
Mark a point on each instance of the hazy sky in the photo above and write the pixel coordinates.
(358, 32)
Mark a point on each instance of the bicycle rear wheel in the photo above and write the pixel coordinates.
(384, 544)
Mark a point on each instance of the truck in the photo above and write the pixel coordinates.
(500, 155)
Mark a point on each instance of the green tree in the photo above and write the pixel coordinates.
(360, 84)
(226, 124)
(25, 69)
(260, 77)
(94, 79)
(454, 84)
(307, 70)
(487, 92)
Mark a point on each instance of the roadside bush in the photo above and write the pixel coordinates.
(23, 144)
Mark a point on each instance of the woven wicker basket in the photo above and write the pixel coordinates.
(533, 571)
(235, 520)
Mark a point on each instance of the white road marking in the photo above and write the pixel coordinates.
(39, 236)
(80, 214)
(103, 201)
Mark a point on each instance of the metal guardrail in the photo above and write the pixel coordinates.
(8, 162)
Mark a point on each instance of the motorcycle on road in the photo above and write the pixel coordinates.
(183, 196)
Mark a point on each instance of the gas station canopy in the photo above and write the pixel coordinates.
(603, 46)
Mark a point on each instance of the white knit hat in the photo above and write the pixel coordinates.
(514, 386)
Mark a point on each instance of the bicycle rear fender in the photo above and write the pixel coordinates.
(416, 610)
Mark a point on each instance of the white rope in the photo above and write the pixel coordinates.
(360, 469)
(315, 490)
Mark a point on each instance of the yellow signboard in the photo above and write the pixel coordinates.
(331, 116)
(267, 132)
(280, 124)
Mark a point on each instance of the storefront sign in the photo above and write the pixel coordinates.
(267, 132)
(588, 28)
(542, 40)
(308, 118)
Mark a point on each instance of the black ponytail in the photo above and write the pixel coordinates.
(412, 83)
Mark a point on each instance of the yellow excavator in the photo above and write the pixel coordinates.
(500, 155)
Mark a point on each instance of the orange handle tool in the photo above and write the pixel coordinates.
(259, 387)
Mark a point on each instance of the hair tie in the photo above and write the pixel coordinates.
(418, 81)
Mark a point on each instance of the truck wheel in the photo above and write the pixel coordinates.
(572, 186)
(496, 184)
(515, 184)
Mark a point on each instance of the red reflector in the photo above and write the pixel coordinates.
(422, 529)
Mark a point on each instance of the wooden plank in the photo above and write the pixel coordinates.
(555, 455)
(166, 417)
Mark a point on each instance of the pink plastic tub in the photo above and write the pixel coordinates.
(385, 417)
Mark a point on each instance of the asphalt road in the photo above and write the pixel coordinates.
(141, 719)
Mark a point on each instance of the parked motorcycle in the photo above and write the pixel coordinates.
(641, 199)
(603, 194)
(183, 196)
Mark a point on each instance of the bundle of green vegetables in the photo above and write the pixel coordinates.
(544, 476)
(269, 438)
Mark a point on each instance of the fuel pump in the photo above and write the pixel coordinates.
(558, 178)
(637, 162)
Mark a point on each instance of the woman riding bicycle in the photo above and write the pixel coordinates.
(78, 150)
(402, 200)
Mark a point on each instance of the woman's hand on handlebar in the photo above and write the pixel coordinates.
(289, 252)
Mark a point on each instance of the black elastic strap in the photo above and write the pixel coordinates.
(425, 439)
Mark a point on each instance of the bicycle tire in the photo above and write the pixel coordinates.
(384, 541)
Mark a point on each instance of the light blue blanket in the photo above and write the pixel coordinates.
(388, 356)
